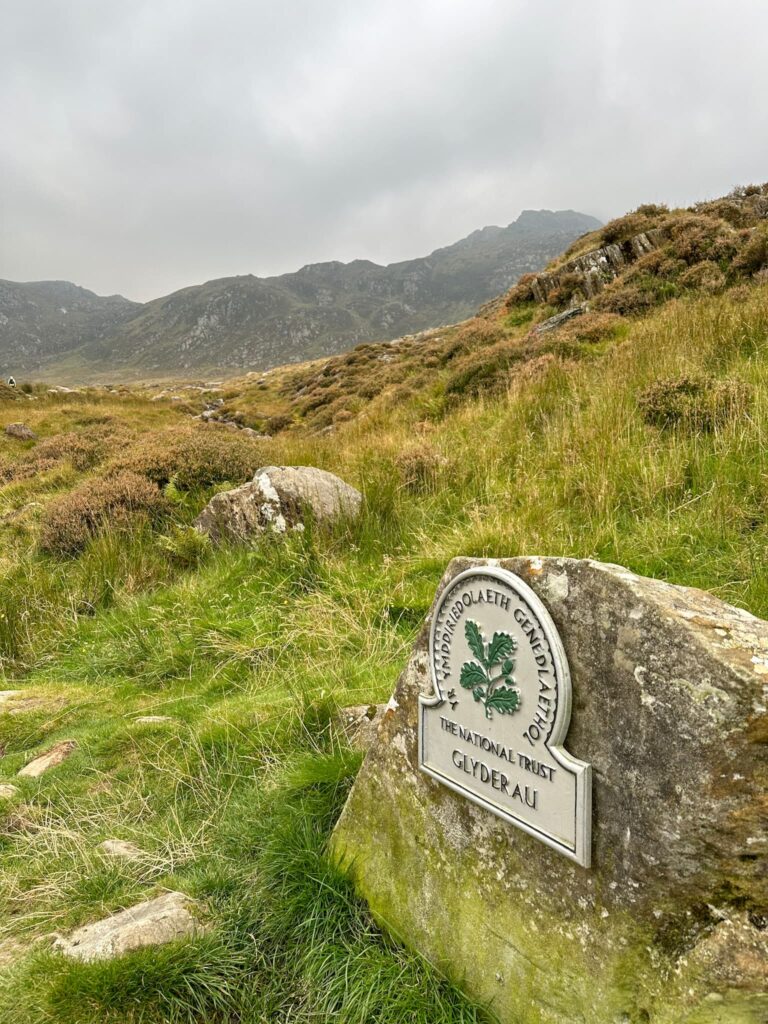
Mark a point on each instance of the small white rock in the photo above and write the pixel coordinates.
(121, 848)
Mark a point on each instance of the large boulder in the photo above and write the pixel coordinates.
(670, 921)
(279, 498)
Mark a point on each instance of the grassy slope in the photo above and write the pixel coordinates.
(250, 651)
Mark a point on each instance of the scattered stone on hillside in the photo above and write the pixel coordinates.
(669, 708)
(8, 792)
(21, 432)
(560, 318)
(121, 849)
(277, 499)
(50, 759)
(360, 724)
(7, 696)
(153, 719)
(152, 923)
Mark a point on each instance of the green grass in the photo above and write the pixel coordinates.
(251, 651)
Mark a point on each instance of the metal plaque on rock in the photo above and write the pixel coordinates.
(494, 728)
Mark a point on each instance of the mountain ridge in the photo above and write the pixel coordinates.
(246, 321)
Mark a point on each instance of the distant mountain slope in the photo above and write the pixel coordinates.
(44, 319)
(324, 308)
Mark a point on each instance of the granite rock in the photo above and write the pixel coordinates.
(669, 708)
(278, 499)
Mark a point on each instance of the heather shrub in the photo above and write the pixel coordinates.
(626, 299)
(83, 450)
(591, 328)
(705, 275)
(521, 292)
(695, 402)
(623, 228)
(754, 254)
(700, 238)
(194, 457)
(485, 370)
(419, 467)
(103, 504)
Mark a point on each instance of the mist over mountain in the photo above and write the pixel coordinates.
(54, 328)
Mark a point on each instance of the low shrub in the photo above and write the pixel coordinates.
(626, 299)
(706, 276)
(698, 238)
(275, 424)
(194, 457)
(623, 228)
(754, 254)
(697, 403)
(419, 467)
(485, 370)
(591, 328)
(97, 506)
(83, 450)
(521, 292)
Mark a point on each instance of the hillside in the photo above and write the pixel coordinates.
(44, 320)
(201, 685)
(256, 323)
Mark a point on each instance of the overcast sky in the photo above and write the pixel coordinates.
(149, 145)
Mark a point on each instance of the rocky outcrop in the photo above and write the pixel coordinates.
(152, 923)
(669, 923)
(21, 432)
(279, 498)
(598, 268)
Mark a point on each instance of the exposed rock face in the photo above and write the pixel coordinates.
(669, 923)
(598, 268)
(50, 759)
(21, 432)
(278, 499)
(148, 924)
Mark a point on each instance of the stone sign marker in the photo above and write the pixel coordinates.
(669, 692)
(492, 731)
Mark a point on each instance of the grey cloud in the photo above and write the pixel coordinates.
(151, 145)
